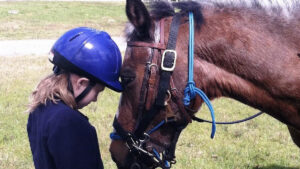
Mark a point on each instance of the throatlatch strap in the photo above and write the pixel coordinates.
(164, 81)
(85, 92)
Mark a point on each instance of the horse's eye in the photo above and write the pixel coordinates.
(126, 78)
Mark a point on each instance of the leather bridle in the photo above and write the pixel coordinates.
(149, 105)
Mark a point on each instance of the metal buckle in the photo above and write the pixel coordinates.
(163, 59)
(146, 138)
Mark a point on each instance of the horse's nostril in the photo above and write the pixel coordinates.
(298, 54)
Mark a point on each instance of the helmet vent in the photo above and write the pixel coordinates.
(74, 37)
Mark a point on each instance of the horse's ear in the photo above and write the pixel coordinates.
(139, 16)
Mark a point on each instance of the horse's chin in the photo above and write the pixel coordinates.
(119, 153)
(130, 164)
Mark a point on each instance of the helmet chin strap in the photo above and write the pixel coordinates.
(58, 71)
(85, 92)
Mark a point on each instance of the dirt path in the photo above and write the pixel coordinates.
(13, 48)
(69, 0)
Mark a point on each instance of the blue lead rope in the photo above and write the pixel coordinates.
(156, 127)
(166, 163)
(116, 136)
(191, 90)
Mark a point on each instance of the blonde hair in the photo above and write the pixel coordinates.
(52, 88)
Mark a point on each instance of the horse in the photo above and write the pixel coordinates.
(243, 52)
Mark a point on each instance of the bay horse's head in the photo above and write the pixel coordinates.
(150, 119)
(238, 53)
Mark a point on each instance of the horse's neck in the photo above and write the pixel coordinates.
(217, 82)
(263, 77)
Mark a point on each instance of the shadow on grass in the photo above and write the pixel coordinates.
(276, 167)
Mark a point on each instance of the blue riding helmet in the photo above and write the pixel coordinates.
(90, 53)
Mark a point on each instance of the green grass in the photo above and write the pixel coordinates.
(42, 20)
(262, 143)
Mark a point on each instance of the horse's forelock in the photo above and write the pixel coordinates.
(191, 6)
(161, 9)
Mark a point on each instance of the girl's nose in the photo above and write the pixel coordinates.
(95, 99)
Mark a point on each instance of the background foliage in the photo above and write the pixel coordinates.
(40, 20)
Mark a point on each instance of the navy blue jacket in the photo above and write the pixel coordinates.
(62, 138)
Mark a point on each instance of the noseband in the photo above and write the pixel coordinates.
(149, 106)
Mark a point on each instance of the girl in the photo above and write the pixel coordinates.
(85, 62)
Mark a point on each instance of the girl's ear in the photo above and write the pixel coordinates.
(82, 82)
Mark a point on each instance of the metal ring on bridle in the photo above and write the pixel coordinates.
(153, 64)
(173, 89)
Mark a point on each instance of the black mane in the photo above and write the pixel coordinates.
(162, 9)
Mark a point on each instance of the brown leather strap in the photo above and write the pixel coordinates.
(151, 82)
(174, 93)
(161, 45)
(154, 69)
(162, 32)
(146, 44)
